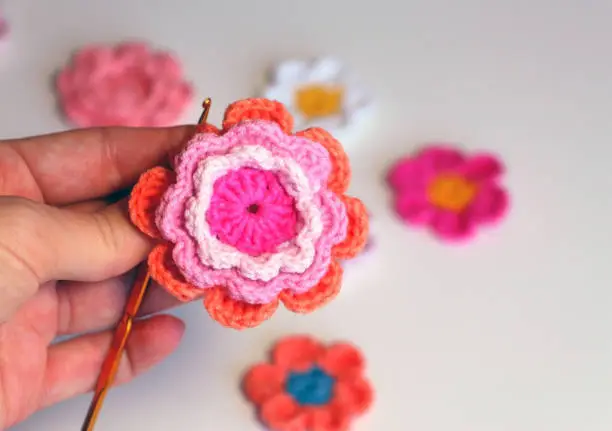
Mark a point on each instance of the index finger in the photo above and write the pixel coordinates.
(68, 167)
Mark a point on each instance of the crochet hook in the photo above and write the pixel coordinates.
(124, 328)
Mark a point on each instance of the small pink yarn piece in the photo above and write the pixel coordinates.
(448, 191)
(124, 85)
(251, 211)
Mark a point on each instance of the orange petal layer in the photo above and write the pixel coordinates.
(297, 353)
(357, 230)
(329, 418)
(145, 198)
(282, 413)
(321, 294)
(262, 382)
(236, 314)
(340, 176)
(258, 109)
(343, 361)
(207, 128)
(353, 397)
(163, 271)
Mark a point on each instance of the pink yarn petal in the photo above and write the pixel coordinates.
(452, 226)
(414, 172)
(408, 174)
(413, 208)
(482, 167)
(89, 59)
(133, 52)
(440, 158)
(167, 65)
(125, 85)
(490, 205)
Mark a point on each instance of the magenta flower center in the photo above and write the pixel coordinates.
(250, 210)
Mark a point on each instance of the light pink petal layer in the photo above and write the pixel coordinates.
(490, 205)
(482, 168)
(311, 156)
(256, 292)
(170, 215)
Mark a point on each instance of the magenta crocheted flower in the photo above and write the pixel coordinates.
(250, 211)
(448, 191)
(123, 85)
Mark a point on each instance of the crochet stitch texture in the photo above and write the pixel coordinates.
(252, 215)
(129, 84)
(310, 386)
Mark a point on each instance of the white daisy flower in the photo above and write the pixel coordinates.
(320, 93)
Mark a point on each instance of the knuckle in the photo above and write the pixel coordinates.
(108, 233)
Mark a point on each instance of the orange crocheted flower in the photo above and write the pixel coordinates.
(309, 387)
(252, 215)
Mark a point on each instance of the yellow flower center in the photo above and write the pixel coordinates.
(451, 192)
(319, 100)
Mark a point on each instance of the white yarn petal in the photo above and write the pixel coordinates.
(325, 70)
(282, 93)
(290, 72)
(292, 257)
(293, 74)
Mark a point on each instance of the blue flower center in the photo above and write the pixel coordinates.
(313, 387)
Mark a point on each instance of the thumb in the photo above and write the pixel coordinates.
(40, 243)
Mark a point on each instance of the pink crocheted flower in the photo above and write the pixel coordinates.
(124, 85)
(251, 216)
(260, 220)
(448, 191)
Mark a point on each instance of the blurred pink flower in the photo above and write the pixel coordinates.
(123, 85)
(448, 191)
(4, 27)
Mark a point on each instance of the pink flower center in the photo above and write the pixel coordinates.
(250, 210)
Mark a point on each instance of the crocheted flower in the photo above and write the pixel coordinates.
(252, 215)
(125, 85)
(309, 387)
(319, 93)
(448, 191)
(369, 247)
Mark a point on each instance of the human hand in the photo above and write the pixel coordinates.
(65, 248)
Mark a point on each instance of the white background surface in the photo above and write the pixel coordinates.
(511, 332)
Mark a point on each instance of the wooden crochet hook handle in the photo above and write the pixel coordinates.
(124, 328)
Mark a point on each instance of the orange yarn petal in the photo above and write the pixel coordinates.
(236, 314)
(164, 271)
(145, 198)
(258, 109)
(340, 176)
(343, 361)
(262, 382)
(207, 128)
(282, 413)
(328, 418)
(297, 353)
(321, 294)
(353, 397)
(357, 230)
